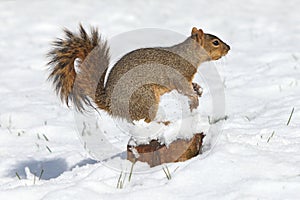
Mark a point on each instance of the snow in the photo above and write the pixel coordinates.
(173, 108)
(242, 161)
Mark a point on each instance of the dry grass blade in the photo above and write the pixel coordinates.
(18, 176)
(167, 172)
(290, 117)
(41, 174)
(270, 136)
(131, 171)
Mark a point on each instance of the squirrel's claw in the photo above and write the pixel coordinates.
(198, 89)
(194, 102)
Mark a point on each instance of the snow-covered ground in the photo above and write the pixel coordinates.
(256, 156)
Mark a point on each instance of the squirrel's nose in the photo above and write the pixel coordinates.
(228, 47)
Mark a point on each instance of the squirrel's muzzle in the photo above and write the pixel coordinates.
(226, 49)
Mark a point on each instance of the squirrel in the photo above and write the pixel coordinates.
(137, 80)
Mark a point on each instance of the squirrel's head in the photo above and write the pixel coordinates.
(214, 47)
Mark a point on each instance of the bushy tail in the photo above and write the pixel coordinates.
(79, 85)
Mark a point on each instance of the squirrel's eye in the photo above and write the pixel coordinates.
(216, 43)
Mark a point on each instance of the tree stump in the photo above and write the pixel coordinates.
(155, 153)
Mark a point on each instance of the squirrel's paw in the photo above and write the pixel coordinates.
(194, 102)
(198, 89)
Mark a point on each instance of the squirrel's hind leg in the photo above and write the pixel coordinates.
(143, 104)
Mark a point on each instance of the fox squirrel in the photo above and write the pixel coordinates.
(136, 82)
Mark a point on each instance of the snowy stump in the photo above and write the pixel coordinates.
(155, 153)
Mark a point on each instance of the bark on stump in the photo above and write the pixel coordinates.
(155, 153)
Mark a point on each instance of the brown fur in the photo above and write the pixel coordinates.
(68, 84)
(137, 80)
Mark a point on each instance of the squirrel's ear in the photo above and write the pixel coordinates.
(198, 35)
(194, 31)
